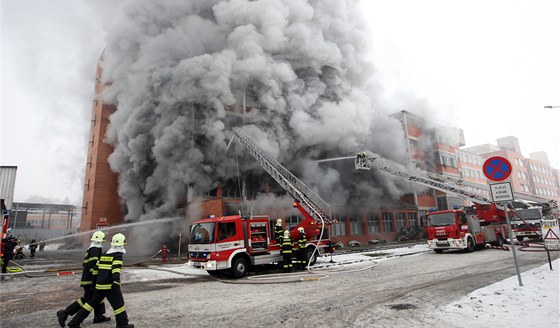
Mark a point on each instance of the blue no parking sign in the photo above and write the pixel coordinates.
(497, 168)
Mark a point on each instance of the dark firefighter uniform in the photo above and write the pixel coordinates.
(301, 251)
(108, 282)
(9, 244)
(286, 250)
(90, 260)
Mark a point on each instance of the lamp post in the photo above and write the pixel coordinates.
(551, 106)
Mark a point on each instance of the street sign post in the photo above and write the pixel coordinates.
(498, 168)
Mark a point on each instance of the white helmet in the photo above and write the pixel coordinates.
(300, 229)
(118, 240)
(286, 234)
(98, 236)
(279, 222)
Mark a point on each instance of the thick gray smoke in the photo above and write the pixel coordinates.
(181, 73)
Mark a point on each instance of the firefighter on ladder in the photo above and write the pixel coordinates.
(278, 231)
(108, 285)
(286, 250)
(301, 260)
(93, 253)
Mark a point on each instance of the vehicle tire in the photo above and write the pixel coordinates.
(471, 246)
(438, 250)
(239, 268)
(500, 241)
(308, 253)
(519, 238)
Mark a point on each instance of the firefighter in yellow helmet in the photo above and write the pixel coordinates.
(301, 254)
(286, 251)
(108, 285)
(92, 255)
(278, 231)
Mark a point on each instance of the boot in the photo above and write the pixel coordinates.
(126, 326)
(73, 325)
(62, 315)
(101, 319)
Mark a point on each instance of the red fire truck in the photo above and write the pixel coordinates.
(527, 223)
(467, 228)
(237, 243)
(450, 229)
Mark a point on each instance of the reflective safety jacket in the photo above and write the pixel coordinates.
(90, 260)
(302, 241)
(278, 232)
(108, 270)
(287, 246)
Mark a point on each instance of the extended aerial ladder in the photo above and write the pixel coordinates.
(302, 194)
(364, 162)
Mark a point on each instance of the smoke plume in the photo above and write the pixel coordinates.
(292, 73)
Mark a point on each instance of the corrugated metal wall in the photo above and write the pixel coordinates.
(7, 184)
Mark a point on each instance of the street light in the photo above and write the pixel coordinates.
(551, 106)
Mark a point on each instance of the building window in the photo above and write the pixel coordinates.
(387, 221)
(412, 220)
(356, 226)
(339, 228)
(401, 219)
(292, 221)
(373, 223)
(446, 159)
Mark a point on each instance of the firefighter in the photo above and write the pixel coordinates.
(10, 243)
(108, 285)
(278, 230)
(286, 251)
(33, 247)
(301, 254)
(92, 255)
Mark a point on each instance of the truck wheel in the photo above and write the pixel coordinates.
(239, 268)
(308, 254)
(438, 250)
(470, 246)
(519, 238)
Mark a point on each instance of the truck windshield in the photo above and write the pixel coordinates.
(527, 214)
(202, 233)
(441, 219)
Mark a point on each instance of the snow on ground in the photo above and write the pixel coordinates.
(505, 303)
(500, 304)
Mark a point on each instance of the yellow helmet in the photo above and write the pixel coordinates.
(300, 229)
(279, 222)
(118, 240)
(286, 234)
(98, 236)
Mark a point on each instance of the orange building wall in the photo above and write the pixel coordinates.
(101, 198)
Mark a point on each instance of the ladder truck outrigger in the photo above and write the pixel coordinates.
(237, 243)
(467, 228)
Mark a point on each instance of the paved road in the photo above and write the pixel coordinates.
(398, 292)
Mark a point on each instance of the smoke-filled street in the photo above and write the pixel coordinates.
(409, 287)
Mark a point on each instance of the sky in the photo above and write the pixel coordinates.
(486, 67)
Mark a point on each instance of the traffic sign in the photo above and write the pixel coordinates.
(497, 168)
(501, 192)
(550, 232)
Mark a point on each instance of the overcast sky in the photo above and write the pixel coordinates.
(488, 67)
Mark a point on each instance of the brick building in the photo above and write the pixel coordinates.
(101, 205)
